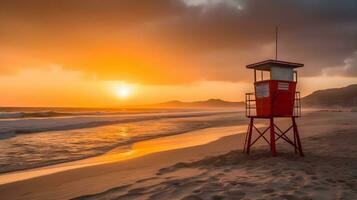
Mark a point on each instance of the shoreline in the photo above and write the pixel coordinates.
(30, 151)
(38, 125)
(136, 150)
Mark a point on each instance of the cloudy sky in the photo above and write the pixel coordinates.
(78, 52)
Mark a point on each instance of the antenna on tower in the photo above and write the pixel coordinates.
(276, 42)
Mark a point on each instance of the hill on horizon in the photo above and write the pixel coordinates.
(334, 97)
(197, 104)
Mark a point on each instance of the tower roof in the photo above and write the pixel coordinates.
(265, 65)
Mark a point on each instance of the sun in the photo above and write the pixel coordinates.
(122, 91)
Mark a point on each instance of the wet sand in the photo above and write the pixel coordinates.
(192, 138)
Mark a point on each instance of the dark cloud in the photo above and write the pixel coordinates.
(177, 41)
(349, 68)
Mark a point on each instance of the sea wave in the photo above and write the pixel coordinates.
(13, 127)
(46, 148)
(7, 115)
(13, 113)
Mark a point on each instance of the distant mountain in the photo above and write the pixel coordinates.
(197, 104)
(336, 97)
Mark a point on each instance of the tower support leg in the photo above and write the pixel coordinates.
(272, 137)
(246, 139)
(249, 136)
(295, 144)
(296, 134)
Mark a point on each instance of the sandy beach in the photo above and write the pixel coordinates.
(178, 100)
(207, 164)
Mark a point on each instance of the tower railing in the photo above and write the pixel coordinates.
(250, 105)
(297, 105)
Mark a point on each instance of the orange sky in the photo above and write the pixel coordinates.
(52, 86)
(76, 54)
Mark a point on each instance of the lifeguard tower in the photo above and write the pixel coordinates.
(275, 97)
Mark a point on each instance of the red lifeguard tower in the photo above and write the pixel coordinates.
(275, 97)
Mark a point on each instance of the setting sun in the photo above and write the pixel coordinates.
(180, 99)
(122, 91)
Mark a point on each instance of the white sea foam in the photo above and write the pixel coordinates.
(10, 115)
(31, 125)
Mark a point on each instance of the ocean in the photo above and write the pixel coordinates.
(36, 137)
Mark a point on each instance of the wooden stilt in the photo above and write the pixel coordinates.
(297, 137)
(295, 145)
(272, 137)
(250, 135)
(246, 139)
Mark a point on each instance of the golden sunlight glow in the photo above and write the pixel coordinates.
(122, 91)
